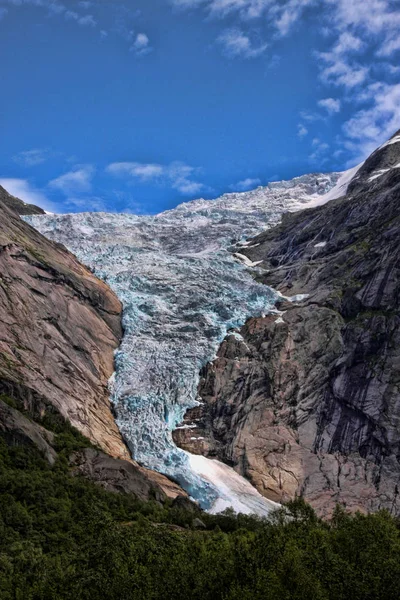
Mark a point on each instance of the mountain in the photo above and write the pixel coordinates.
(59, 327)
(307, 402)
(182, 290)
(17, 205)
(301, 396)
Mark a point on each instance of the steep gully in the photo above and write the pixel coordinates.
(182, 291)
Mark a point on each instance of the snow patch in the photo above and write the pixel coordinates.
(246, 261)
(394, 140)
(381, 172)
(339, 190)
(233, 490)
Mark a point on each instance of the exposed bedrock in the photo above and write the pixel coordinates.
(308, 402)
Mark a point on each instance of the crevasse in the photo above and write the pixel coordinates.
(182, 290)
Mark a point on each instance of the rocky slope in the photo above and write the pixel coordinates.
(59, 327)
(308, 402)
(17, 205)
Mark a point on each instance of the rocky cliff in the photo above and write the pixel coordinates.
(307, 402)
(59, 327)
(17, 205)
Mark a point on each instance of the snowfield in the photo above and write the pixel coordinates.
(182, 290)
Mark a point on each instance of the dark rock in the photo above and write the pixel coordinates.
(17, 205)
(115, 475)
(309, 404)
(17, 430)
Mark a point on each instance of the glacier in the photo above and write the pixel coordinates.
(183, 285)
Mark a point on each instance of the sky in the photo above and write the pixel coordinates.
(138, 105)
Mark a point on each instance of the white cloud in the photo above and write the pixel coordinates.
(31, 158)
(375, 124)
(341, 68)
(84, 20)
(339, 72)
(177, 175)
(141, 45)
(75, 181)
(87, 21)
(310, 117)
(236, 43)
(302, 131)
(25, 191)
(71, 15)
(58, 8)
(319, 150)
(390, 46)
(281, 15)
(332, 105)
(373, 17)
(246, 184)
(3, 12)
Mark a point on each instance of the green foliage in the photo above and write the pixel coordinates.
(63, 538)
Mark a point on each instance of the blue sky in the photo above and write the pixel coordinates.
(138, 105)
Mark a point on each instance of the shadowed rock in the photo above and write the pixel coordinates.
(17, 205)
(308, 402)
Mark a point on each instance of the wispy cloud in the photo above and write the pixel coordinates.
(235, 42)
(375, 124)
(31, 158)
(141, 45)
(177, 175)
(331, 105)
(75, 181)
(302, 131)
(55, 7)
(245, 184)
(84, 20)
(25, 191)
(319, 150)
(281, 15)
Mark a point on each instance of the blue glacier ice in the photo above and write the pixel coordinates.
(182, 290)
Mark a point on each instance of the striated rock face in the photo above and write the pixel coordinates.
(308, 402)
(59, 327)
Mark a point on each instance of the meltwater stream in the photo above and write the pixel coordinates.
(182, 290)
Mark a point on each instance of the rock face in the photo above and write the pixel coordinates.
(17, 205)
(17, 429)
(59, 327)
(307, 402)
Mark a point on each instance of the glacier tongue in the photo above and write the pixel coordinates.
(233, 490)
(181, 291)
